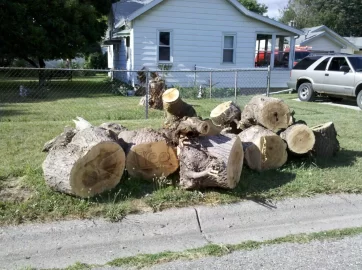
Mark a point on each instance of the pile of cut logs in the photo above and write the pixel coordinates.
(87, 160)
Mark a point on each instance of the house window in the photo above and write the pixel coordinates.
(164, 46)
(229, 49)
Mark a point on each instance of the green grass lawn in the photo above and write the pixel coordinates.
(26, 124)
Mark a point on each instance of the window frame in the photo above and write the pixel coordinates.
(228, 34)
(159, 31)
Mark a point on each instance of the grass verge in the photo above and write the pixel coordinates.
(148, 260)
(25, 127)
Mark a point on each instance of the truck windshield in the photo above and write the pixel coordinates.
(356, 63)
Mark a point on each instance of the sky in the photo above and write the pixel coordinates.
(274, 6)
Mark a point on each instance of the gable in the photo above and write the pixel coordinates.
(241, 9)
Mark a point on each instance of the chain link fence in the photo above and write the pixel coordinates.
(29, 94)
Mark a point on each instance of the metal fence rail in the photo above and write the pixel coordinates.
(30, 94)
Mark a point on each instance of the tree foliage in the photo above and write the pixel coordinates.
(254, 6)
(341, 16)
(37, 30)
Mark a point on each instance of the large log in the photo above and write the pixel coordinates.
(300, 138)
(326, 142)
(175, 107)
(263, 149)
(91, 163)
(214, 161)
(225, 114)
(271, 113)
(149, 154)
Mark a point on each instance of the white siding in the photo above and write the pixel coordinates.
(197, 33)
(325, 44)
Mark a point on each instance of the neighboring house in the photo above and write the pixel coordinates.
(213, 34)
(321, 38)
(357, 41)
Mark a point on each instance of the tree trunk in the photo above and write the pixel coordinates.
(175, 107)
(149, 155)
(225, 114)
(263, 149)
(213, 130)
(157, 88)
(91, 163)
(326, 142)
(271, 113)
(300, 138)
(214, 161)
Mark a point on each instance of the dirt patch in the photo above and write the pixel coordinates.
(13, 190)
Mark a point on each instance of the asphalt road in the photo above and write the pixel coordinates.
(331, 255)
(60, 244)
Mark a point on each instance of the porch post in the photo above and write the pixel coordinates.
(291, 52)
(272, 49)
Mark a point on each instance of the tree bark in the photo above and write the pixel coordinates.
(90, 164)
(213, 161)
(149, 154)
(300, 138)
(157, 87)
(326, 142)
(175, 107)
(271, 113)
(263, 149)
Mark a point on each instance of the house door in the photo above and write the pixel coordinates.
(336, 81)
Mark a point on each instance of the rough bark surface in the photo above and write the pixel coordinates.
(113, 127)
(157, 87)
(213, 130)
(326, 142)
(62, 140)
(263, 149)
(175, 107)
(91, 163)
(213, 161)
(271, 113)
(300, 138)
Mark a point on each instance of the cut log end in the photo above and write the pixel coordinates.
(171, 95)
(225, 114)
(275, 116)
(235, 163)
(300, 138)
(99, 170)
(152, 160)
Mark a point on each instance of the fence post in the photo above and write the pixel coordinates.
(210, 84)
(147, 92)
(268, 82)
(195, 76)
(236, 85)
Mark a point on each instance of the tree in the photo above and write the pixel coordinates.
(341, 16)
(254, 6)
(50, 29)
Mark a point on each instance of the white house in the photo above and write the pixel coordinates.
(321, 38)
(357, 41)
(182, 34)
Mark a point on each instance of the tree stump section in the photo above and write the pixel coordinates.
(214, 161)
(271, 113)
(175, 107)
(225, 114)
(300, 138)
(152, 160)
(326, 142)
(149, 154)
(90, 164)
(263, 149)
(213, 130)
(157, 87)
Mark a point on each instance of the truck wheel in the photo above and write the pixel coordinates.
(359, 99)
(305, 92)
